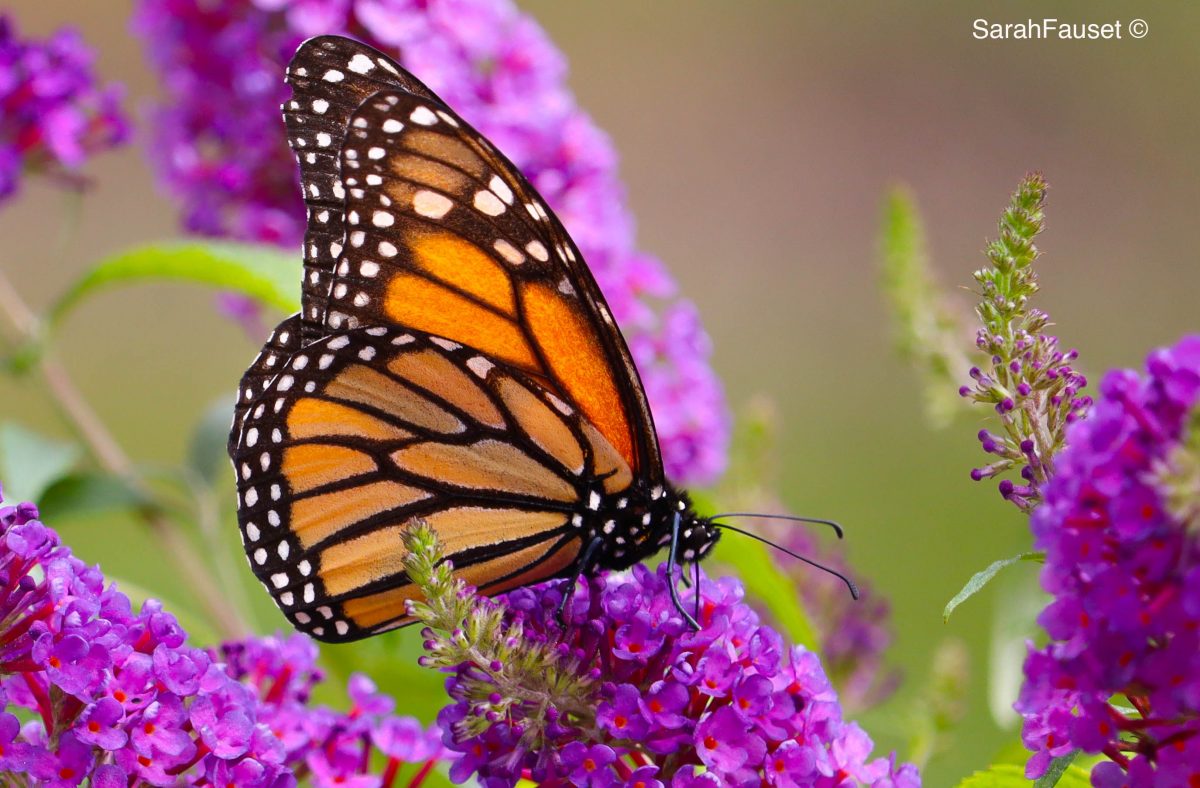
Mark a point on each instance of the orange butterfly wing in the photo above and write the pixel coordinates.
(361, 432)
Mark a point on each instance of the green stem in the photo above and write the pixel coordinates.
(109, 455)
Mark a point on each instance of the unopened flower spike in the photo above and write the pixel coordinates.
(1031, 384)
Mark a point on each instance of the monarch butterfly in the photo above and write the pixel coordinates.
(453, 361)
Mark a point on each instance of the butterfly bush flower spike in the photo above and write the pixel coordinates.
(1032, 384)
(628, 694)
(219, 148)
(1121, 673)
(118, 697)
(55, 114)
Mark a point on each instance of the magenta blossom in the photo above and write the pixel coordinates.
(118, 697)
(53, 112)
(727, 705)
(1121, 674)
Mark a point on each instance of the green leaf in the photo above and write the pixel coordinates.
(1008, 775)
(1004, 775)
(87, 493)
(263, 273)
(1061, 772)
(206, 449)
(982, 578)
(29, 462)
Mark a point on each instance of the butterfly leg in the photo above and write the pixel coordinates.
(696, 567)
(671, 574)
(581, 568)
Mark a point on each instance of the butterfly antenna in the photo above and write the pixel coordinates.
(849, 583)
(837, 528)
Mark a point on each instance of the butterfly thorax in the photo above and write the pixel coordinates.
(637, 524)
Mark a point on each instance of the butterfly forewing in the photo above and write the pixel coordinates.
(329, 77)
(444, 235)
(362, 432)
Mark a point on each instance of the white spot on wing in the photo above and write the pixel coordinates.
(509, 252)
(333, 75)
(480, 365)
(501, 189)
(538, 250)
(488, 203)
(391, 126)
(423, 116)
(360, 64)
(431, 204)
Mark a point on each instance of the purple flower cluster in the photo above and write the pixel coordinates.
(330, 747)
(53, 114)
(1121, 674)
(219, 147)
(118, 697)
(727, 705)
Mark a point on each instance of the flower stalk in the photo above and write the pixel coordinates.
(502, 670)
(108, 454)
(1030, 383)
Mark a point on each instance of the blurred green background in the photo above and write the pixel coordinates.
(757, 141)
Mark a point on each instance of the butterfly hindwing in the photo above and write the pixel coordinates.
(444, 235)
(361, 432)
(284, 340)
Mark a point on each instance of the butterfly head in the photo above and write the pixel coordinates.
(697, 535)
